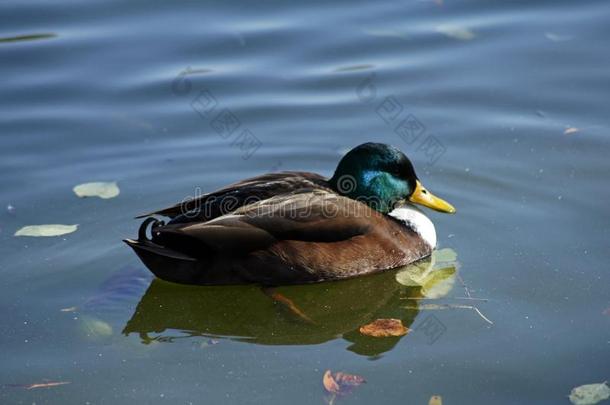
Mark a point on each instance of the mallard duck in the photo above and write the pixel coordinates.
(297, 227)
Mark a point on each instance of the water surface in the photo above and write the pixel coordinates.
(478, 94)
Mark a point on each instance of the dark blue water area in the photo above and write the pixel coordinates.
(501, 106)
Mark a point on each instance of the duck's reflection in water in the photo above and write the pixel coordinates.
(295, 315)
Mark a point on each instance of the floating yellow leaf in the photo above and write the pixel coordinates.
(97, 189)
(589, 394)
(454, 31)
(435, 281)
(439, 283)
(414, 274)
(435, 400)
(46, 230)
(444, 255)
(384, 328)
(96, 328)
(571, 130)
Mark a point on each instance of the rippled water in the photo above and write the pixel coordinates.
(506, 110)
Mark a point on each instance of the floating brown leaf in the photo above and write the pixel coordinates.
(435, 400)
(571, 130)
(329, 382)
(384, 328)
(341, 383)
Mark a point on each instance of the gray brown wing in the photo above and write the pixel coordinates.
(234, 196)
(317, 216)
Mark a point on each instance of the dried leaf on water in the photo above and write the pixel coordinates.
(571, 130)
(341, 383)
(47, 384)
(384, 328)
(435, 400)
(456, 32)
(46, 230)
(329, 382)
(590, 394)
(99, 189)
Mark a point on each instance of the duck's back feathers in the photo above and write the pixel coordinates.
(227, 199)
(300, 237)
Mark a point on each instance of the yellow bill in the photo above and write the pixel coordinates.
(423, 197)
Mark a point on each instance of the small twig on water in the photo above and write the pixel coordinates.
(482, 316)
(448, 306)
(452, 298)
(461, 280)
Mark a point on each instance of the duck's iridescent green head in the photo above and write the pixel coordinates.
(381, 176)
